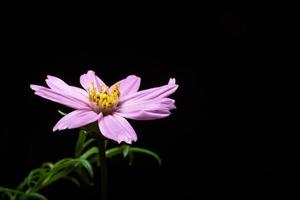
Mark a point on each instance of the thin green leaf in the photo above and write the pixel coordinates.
(60, 170)
(113, 152)
(84, 177)
(87, 166)
(73, 180)
(47, 165)
(80, 142)
(61, 112)
(55, 177)
(147, 152)
(36, 196)
(11, 193)
(34, 176)
(87, 143)
(63, 163)
(8, 190)
(127, 150)
(90, 152)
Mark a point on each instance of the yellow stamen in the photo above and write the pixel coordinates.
(105, 101)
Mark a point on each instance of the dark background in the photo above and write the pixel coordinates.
(233, 132)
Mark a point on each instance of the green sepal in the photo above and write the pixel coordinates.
(126, 149)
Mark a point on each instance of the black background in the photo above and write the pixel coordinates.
(232, 134)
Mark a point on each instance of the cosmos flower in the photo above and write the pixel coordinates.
(108, 106)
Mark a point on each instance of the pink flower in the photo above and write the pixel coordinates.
(109, 106)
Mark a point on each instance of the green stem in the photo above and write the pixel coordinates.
(103, 169)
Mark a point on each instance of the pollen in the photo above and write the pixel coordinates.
(104, 99)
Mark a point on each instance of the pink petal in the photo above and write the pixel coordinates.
(62, 98)
(36, 87)
(117, 128)
(57, 84)
(157, 92)
(60, 86)
(75, 119)
(129, 85)
(147, 110)
(90, 80)
(172, 81)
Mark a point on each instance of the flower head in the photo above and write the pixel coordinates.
(109, 106)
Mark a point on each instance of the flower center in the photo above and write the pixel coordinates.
(103, 99)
